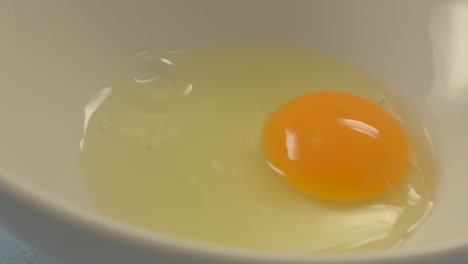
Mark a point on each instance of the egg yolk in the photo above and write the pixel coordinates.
(337, 146)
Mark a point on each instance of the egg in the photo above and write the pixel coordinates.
(337, 146)
(258, 147)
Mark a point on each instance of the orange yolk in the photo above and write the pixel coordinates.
(337, 146)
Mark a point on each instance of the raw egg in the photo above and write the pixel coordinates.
(178, 146)
(337, 146)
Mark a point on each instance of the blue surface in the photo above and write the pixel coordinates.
(13, 251)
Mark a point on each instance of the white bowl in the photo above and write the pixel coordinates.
(56, 54)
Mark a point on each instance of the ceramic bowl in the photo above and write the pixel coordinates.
(56, 54)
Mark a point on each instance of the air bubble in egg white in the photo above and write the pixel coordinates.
(156, 76)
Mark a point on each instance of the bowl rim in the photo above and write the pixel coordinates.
(63, 210)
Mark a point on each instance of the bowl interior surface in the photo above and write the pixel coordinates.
(57, 54)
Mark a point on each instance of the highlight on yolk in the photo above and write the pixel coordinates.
(337, 146)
